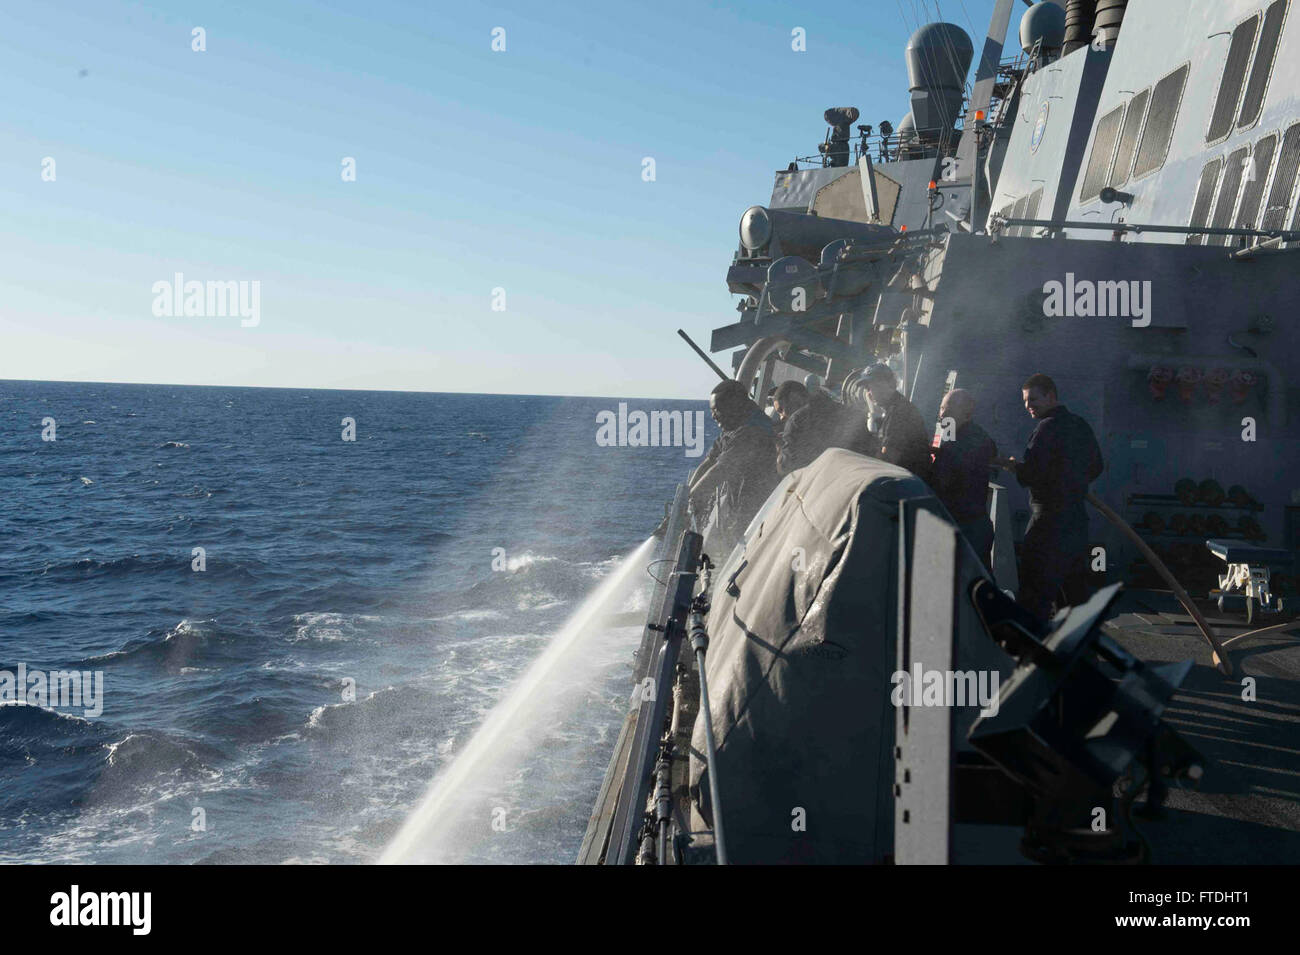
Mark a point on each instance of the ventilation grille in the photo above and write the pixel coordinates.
(1253, 194)
(1161, 117)
(1204, 196)
(1031, 210)
(1128, 138)
(1279, 197)
(1018, 212)
(1262, 68)
(1234, 72)
(1234, 171)
(1103, 148)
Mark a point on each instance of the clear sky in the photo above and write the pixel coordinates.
(475, 170)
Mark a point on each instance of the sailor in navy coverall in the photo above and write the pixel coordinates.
(1060, 461)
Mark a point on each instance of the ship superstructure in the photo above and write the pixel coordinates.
(1114, 205)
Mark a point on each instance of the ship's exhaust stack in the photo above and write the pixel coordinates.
(1079, 17)
(1110, 14)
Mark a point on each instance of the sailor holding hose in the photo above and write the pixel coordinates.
(742, 459)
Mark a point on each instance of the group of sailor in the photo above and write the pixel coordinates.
(1062, 458)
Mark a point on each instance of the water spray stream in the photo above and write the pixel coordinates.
(512, 730)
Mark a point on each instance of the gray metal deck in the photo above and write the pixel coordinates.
(1246, 809)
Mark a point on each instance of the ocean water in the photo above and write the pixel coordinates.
(363, 607)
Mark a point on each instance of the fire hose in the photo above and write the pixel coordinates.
(1217, 653)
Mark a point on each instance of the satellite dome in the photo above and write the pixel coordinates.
(938, 56)
(907, 129)
(1043, 21)
(755, 228)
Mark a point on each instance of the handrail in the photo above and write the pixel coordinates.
(1287, 235)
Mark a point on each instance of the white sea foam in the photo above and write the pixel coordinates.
(328, 627)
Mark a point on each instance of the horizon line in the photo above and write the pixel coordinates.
(396, 391)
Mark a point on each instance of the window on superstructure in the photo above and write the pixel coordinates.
(1018, 212)
(1162, 114)
(1204, 198)
(1128, 138)
(1279, 196)
(1005, 212)
(1103, 150)
(1262, 68)
(1031, 210)
(1234, 170)
(1234, 73)
(1257, 169)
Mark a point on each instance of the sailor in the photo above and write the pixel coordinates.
(962, 464)
(902, 438)
(1060, 461)
(812, 422)
(743, 458)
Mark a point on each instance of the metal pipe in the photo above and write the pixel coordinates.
(711, 755)
(652, 714)
(1268, 245)
(1217, 653)
(1275, 628)
(663, 801)
(700, 351)
(756, 355)
(700, 643)
(1285, 234)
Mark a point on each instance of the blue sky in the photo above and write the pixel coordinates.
(475, 170)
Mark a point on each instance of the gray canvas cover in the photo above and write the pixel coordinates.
(801, 654)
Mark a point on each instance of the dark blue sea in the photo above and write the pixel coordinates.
(292, 700)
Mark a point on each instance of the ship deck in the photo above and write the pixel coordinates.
(1246, 808)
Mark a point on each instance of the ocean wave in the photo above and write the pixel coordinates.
(20, 618)
(475, 614)
(35, 737)
(329, 627)
(527, 561)
(226, 687)
(243, 569)
(87, 566)
(528, 581)
(143, 757)
(243, 718)
(19, 721)
(175, 646)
